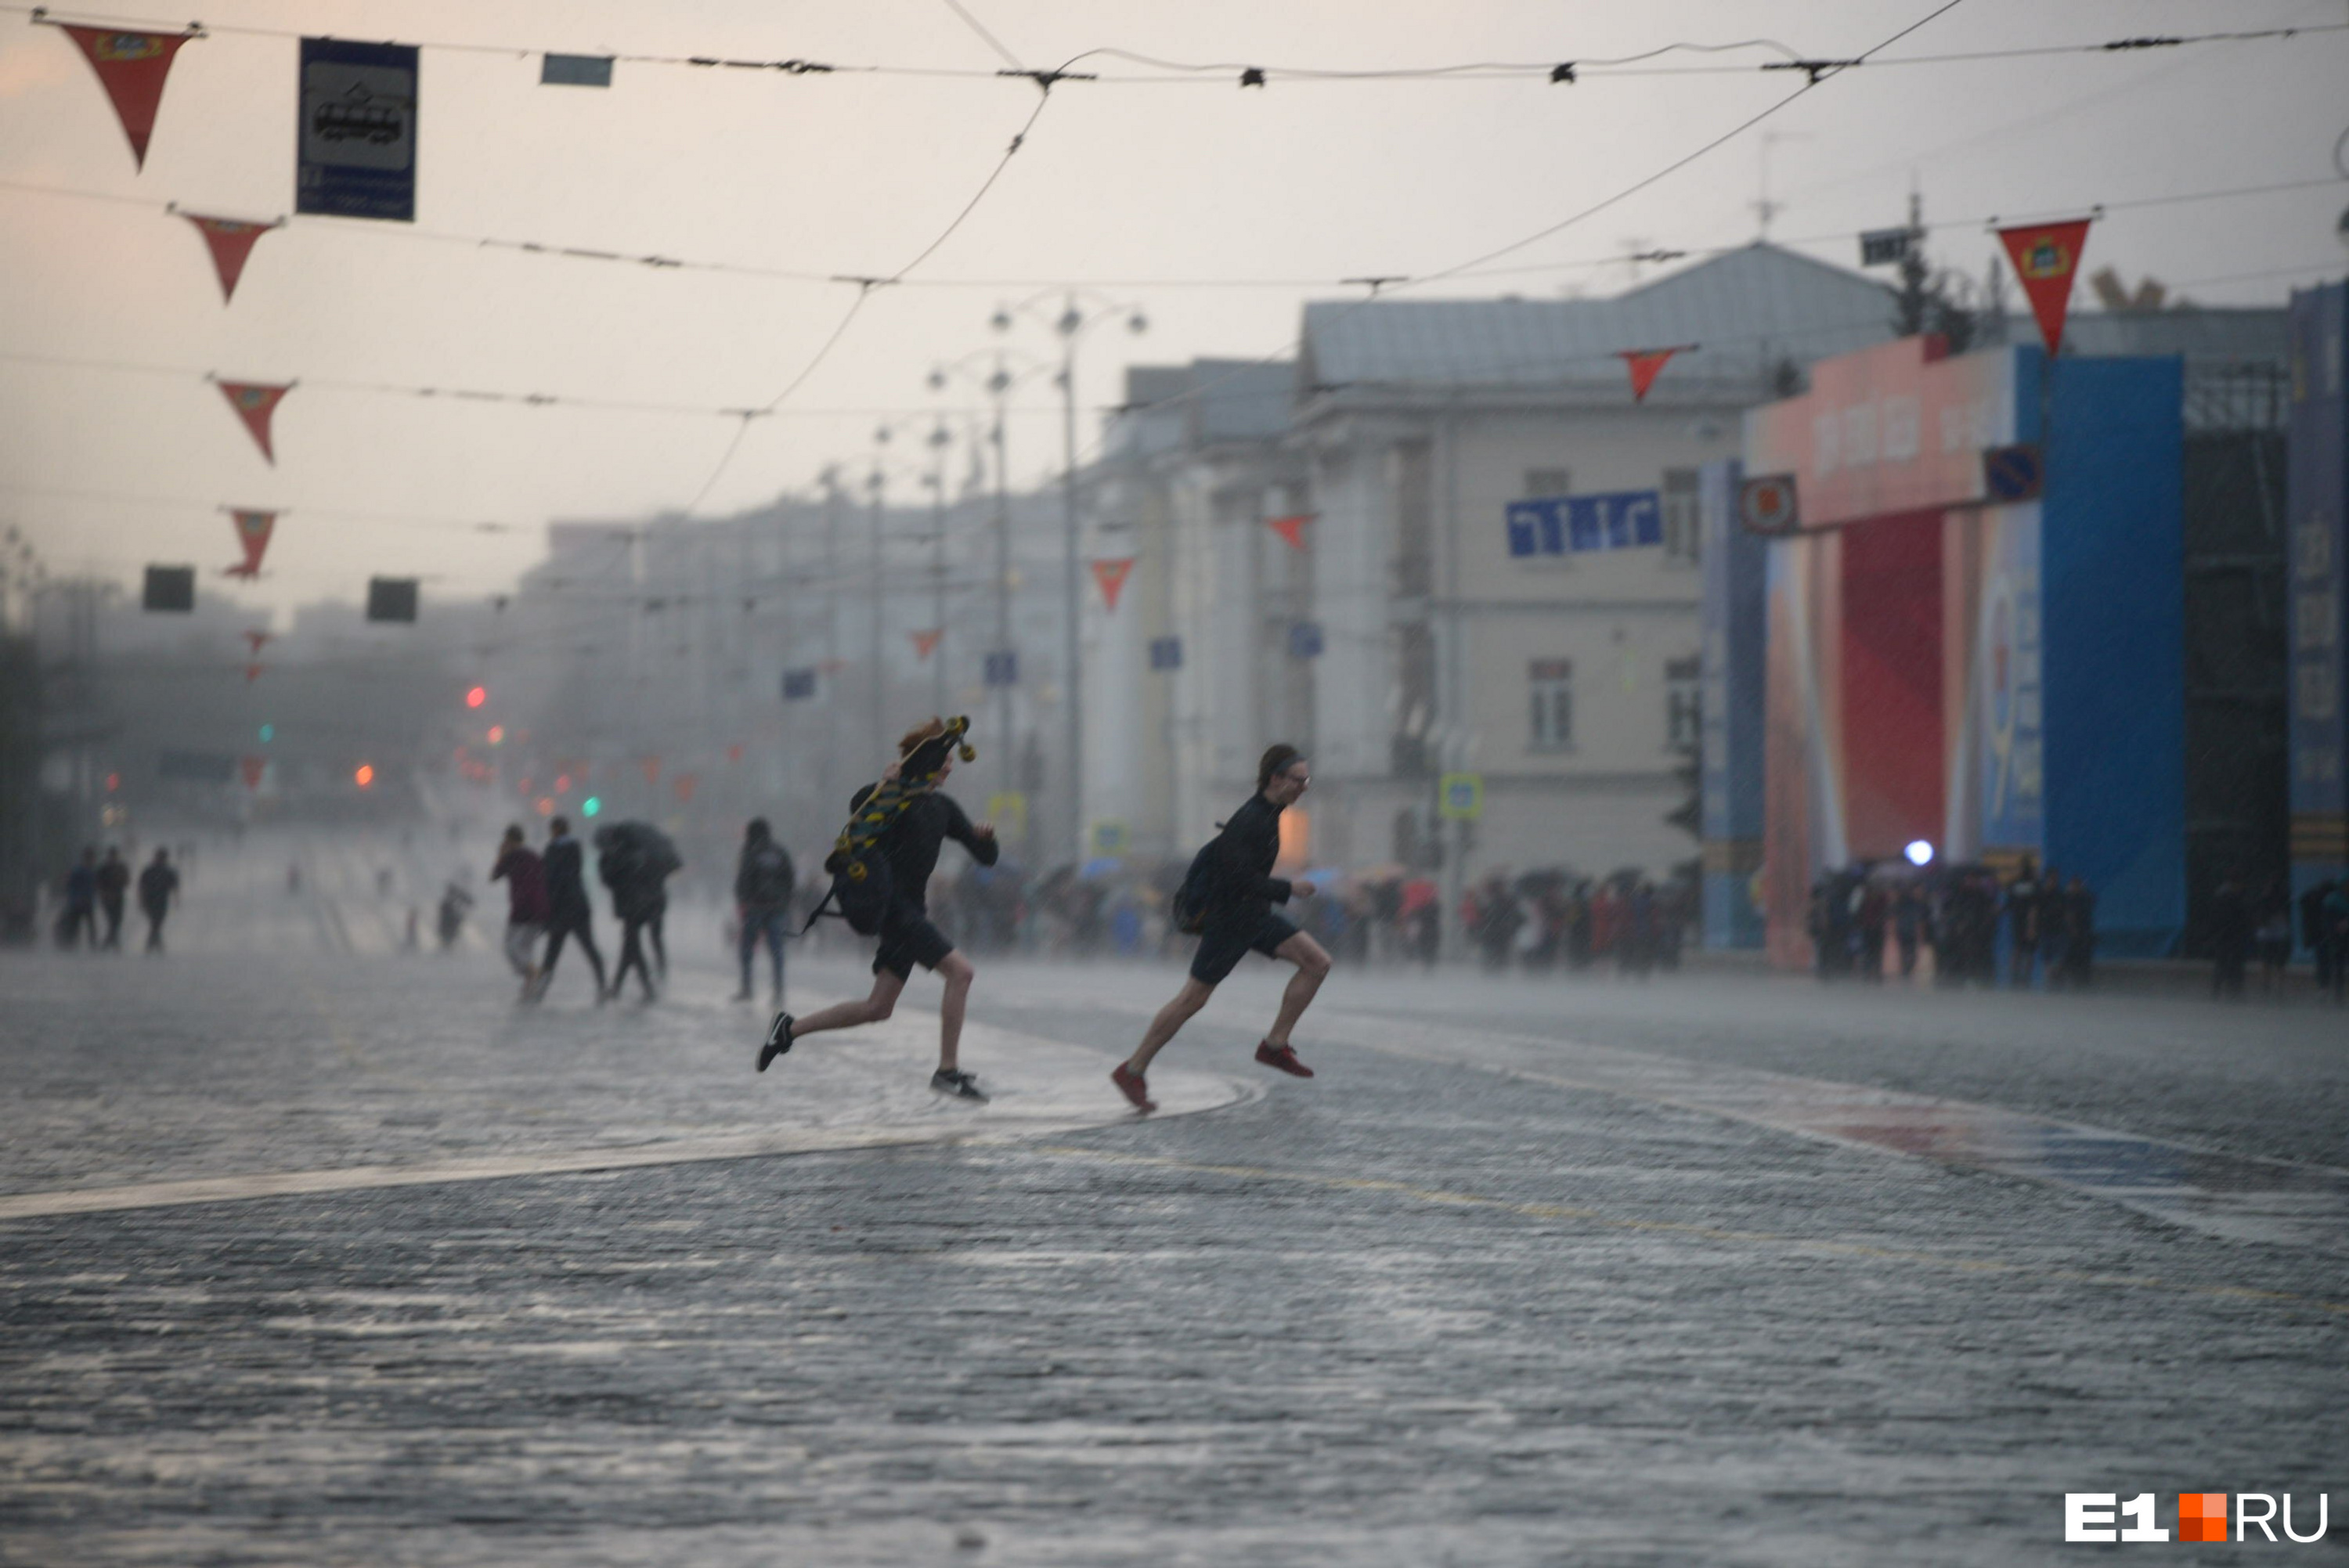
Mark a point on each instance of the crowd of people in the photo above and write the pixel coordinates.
(98, 890)
(1546, 920)
(1876, 914)
(2241, 929)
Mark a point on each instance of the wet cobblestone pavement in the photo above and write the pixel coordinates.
(1427, 1308)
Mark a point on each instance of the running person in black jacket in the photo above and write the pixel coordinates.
(1240, 919)
(911, 847)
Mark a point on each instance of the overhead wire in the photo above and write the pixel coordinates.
(1565, 71)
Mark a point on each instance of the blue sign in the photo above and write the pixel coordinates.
(1165, 653)
(357, 141)
(1570, 524)
(1305, 639)
(2012, 474)
(1003, 669)
(798, 684)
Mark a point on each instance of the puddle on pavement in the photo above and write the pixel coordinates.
(2235, 1196)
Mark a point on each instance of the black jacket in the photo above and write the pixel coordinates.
(764, 878)
(1244, 856)
(567, 888)
(911, 844)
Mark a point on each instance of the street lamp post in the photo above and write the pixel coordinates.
(937, 479)
(878, 485)
(1073, 322)
(999, 382)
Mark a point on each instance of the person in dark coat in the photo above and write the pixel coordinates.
(1239, 920)
(113, 881)
(519, 867)
(568, 914)
(764, 879)
(159, 884)
(2231, 937)
(2316, 932)
(633, 862)
(910, 845)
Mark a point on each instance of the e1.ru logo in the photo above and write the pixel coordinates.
(2089, 1516)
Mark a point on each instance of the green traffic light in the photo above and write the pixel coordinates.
(268, 733)
(590, 806)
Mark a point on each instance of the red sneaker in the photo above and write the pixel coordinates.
(1283, 1057)
(1130, 1084)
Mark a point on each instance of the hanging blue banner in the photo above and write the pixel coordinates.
(1569, 525)
(356, 144)
(1003, 668)
(797, 685)
(1165, 653)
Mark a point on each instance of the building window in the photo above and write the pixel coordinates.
(1682, 521)
(1683, 703)
(1548, 482)
(1551, 685)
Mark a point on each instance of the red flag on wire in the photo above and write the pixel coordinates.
(2046, 258)
(1111, 576)
(925, 642)
(255, 403)
(257, 639)
(252, 673)
(1646, 365)
(253, 531)
(1291, 527)
(131, 68)
(652, 769)
(230, 240)
(686, 783)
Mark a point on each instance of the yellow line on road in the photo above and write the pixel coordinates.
(1693, 1231)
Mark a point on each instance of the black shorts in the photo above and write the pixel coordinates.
(908, 938)
(1224, 943)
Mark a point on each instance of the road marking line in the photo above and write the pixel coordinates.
(1679, 1228)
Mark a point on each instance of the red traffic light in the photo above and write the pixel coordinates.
(477, 696)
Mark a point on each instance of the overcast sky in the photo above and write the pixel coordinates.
(1142, 185)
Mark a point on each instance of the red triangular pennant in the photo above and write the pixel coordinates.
(734, 752)
(652, 769)
(1646, 365)
(1291, 527)
(131, 68)
(925, 642)
(231, 242)
(257, 639)
(255, 403)
(2046, 257)
(1111, 576)
(252, 673)
(254, 767)
(253, 531)
(685, 786)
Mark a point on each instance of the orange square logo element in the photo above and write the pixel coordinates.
(2201, 1516)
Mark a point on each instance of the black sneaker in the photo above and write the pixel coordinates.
(962, 1086)
(779, 1040)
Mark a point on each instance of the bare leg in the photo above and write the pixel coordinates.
(848, 1014)
(1312, 964)
(1171, 1018)
(957, 972)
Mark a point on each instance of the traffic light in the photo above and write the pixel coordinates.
(590, 806)
(365, 776)
(477, 696)
(268, 733)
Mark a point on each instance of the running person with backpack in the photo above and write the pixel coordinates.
(1227, 899)
(919, 820)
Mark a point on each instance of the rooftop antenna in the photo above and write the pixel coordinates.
(1764, 208)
